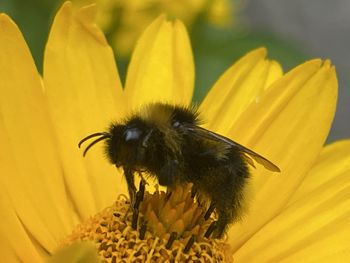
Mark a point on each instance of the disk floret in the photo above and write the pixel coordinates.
(162, 226)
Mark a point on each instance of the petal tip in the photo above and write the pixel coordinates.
(162, 18)
(262, 51)
(8, 29)
(327, 63)
(5, 21)
(65, 10)
(315, 61)
(4, 17)
(259, 53)
(86, 17)
(88, 12)
(68, 5)
(179, 24)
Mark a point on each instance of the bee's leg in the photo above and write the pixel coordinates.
(135, 206)
(210, 229)
(143, 181)
(228, 207)
(129, 175)
(210, 210)
(140, 194)
(221, 224)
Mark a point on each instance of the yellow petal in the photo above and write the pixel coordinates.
(161, 68)
(288, 126)
(315, 227)
(240, 85)
(79, 252)
(274, 72)
(85, 95)
(29, 165)
(334, 160)
(15, 244)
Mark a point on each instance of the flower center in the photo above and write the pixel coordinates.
(162, 226)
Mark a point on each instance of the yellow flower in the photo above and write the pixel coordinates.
(48, 188)
(125, 20)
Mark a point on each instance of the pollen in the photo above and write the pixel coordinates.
(162, 226)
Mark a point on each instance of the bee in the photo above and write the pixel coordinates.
(168, 142)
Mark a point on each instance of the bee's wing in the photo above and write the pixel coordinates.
(248, 154)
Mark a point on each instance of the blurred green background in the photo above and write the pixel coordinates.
(216, 45)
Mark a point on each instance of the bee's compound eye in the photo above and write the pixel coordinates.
(176, 124)
(132, 134)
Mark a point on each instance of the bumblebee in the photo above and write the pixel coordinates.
(167, 142)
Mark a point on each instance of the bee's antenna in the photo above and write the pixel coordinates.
(94, 142)
(91, 136)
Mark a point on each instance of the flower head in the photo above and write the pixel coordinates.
(167, 226)
(48, 188)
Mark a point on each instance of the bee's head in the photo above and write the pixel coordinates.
(128, 142)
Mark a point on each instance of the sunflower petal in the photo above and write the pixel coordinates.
(161, 68)
(274, 72)
(15, 245)
(315, 227)
(240, 85)
(334, 159)
(85, 95)
(29, 166)
(288, 126)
